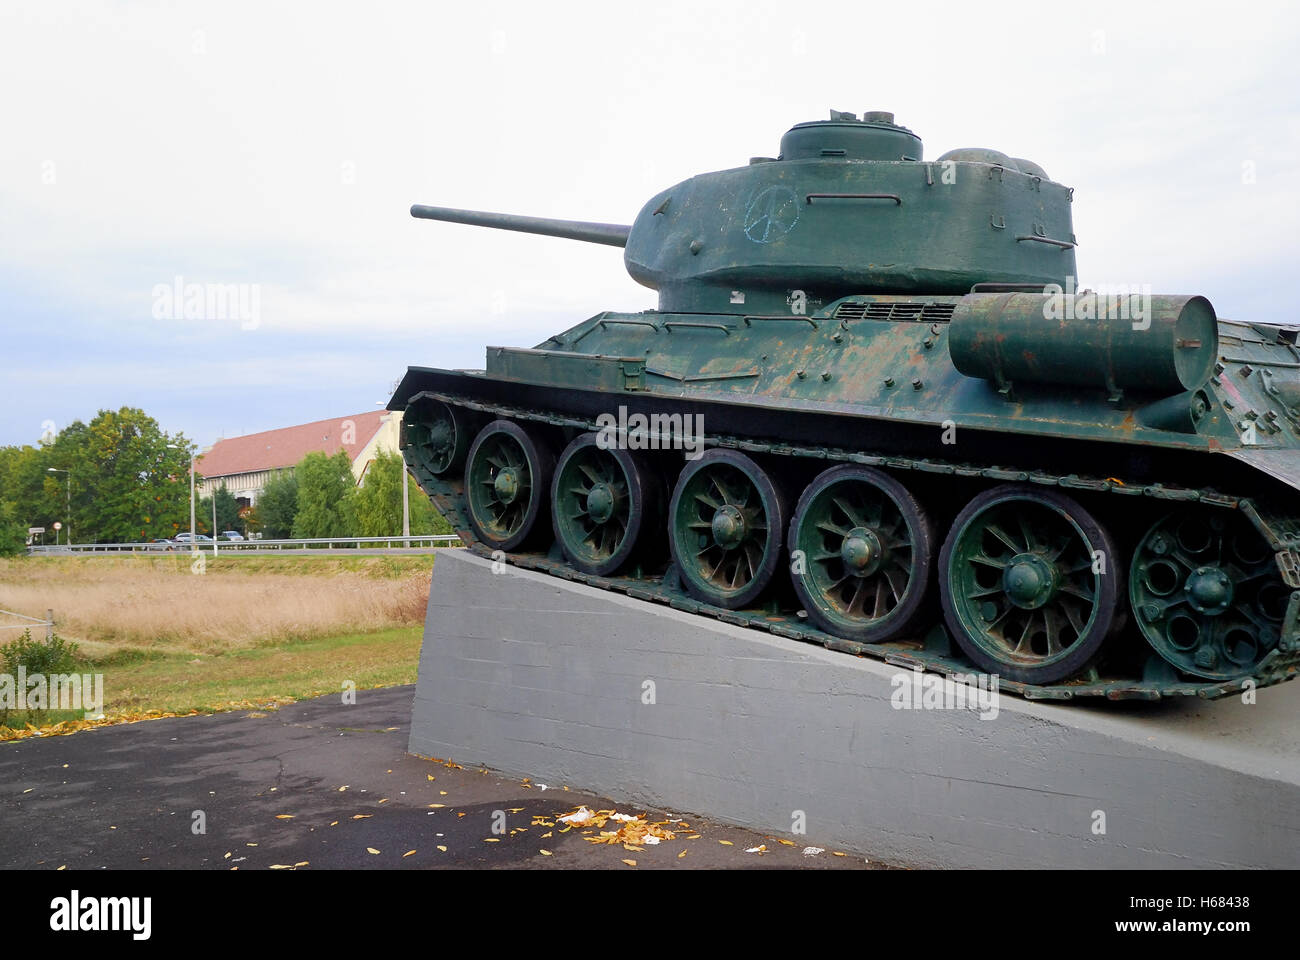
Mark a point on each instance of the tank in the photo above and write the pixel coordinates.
(876, 411)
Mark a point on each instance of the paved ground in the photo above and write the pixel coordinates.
(321, 785)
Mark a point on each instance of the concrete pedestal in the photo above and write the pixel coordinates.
(568, 684)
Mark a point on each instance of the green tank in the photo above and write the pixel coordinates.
(875, 411)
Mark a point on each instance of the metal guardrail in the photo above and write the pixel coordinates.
(28, 622)
(234, 546)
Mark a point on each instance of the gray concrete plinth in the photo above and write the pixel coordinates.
(537, 676)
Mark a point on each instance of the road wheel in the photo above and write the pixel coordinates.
(600, 501)
(507, 477)
(860, 548)
(1029, 583)
(725, 528)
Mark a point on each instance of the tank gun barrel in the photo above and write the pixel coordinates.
(612, 234)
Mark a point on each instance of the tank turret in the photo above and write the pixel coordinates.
(848, 206)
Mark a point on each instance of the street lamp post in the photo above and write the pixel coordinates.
(69, 509)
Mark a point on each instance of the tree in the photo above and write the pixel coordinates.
(278, 505)
(251, 520)
(379, 498)
(13, 532)
(379, 502)
(325, 489)
(128, 479)
(227, 511)
(425, 518)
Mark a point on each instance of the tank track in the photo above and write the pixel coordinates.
(935, 652)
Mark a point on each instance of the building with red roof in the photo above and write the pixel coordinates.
(245, 464)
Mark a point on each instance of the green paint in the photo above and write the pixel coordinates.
(850, 301)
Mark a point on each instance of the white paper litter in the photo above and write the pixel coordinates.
(581, 815)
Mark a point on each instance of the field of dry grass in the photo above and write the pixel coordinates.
(245, 632)
(161, 604)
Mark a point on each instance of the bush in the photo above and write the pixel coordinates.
(54, 655)
(48, 657)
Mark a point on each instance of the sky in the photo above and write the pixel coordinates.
(275, 148)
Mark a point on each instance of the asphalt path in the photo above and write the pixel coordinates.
(324, 785)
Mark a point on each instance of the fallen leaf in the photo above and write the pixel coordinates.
(226, 857)
(371, 850)
(362, 816)
(682, 854)
(430, 776)
(407, 854)
(280, 866)
(302, 863)
(491, 839)
(334, 824)
(515, 809)
(547, 834)
(726, 843)
(630, 863)
(385, 800)
(788, 843)
(545, 853)
(437, 806)
(284, 816)
(838, 854)
(442, 848)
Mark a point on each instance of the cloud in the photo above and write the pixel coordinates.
(281, 147)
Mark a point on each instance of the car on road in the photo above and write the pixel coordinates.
(185, 539)
(230, 535)
(162, 544)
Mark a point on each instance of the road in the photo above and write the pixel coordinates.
(320, 784)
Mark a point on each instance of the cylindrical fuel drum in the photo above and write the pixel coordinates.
(1147, 344)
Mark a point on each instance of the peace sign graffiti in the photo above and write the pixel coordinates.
(772, 215)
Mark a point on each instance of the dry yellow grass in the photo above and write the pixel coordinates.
(159, 604)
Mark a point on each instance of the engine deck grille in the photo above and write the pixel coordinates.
(901, 310)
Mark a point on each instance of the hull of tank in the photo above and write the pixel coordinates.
(874, 381)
